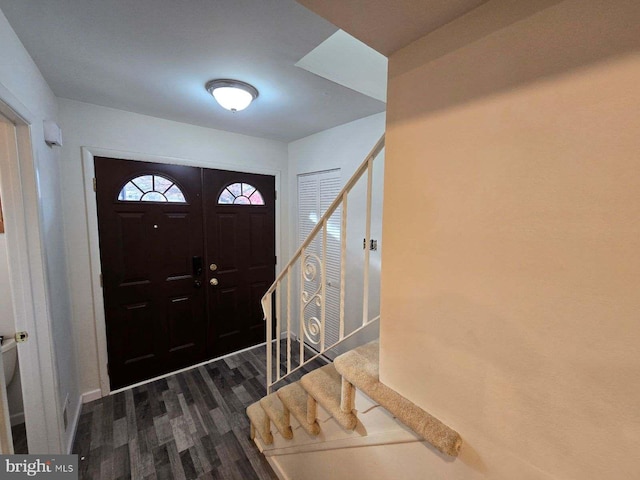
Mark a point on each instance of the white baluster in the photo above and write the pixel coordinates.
(365, 290)
(323, 285)
(267, 308)
(278, 329)
(301, 319)
(289, 279)
(343, 262)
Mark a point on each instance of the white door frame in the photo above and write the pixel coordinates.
(88, 154)
(27, 265)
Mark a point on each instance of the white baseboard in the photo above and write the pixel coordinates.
(322, 356)
(185, 369)
(74, 423)
(91, 395)
(277, 468)
(383, 438)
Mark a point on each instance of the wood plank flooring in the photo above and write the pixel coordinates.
(191, 425)
(19, 434)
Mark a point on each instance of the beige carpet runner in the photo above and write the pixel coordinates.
(360, 368)
(333, 386)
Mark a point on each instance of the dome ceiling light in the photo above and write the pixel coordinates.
(233, 95)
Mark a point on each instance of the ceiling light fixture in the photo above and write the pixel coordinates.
(233, 95)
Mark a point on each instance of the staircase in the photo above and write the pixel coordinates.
(333, 387)
(299, 309)
(303, 299)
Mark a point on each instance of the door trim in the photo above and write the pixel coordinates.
(29, 283)
(88, 154)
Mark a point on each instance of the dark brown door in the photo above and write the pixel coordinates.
(149, 250)
(240, 255)
(161, 311)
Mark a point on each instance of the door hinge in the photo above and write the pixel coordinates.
(108, 369)
(275, 194)
(276, 259)
(95, 184)
(101, 281)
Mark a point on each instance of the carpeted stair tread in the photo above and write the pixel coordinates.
(259, 422)
(278, 414)
(369, 355)
(324, 385)
(361, 368)
(294, 398)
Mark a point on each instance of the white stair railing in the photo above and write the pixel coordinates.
(309, 267)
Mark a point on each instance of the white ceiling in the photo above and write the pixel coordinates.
(154, 57)
(388, 25)
(346, 60)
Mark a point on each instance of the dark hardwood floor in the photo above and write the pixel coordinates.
(19, 434)
(191, 425)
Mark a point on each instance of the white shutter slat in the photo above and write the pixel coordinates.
(330, 187)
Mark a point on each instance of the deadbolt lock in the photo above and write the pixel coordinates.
(21, 337)
(213, 282)
(213, 267)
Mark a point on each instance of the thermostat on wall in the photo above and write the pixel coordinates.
(52, 133)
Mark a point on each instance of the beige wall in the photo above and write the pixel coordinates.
(512, 238)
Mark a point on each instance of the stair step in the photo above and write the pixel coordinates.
(361, 368)
(259, 423)
(368, 358)
(294, 398)
(278, 414)
(325, 385)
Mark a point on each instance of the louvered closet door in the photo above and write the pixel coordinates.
(316, 192)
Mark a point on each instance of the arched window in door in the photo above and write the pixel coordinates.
(151, 188)
(240, 194)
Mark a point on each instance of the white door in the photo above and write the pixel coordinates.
(316, 192)
(36, 380)
(7, 323)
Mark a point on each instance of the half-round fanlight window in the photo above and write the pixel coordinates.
(240, 194)
(151, 188)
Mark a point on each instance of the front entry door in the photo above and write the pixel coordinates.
(162, 309)
(240, 232)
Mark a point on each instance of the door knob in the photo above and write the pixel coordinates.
(213, 282)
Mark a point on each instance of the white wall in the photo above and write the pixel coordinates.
(345, 147)
(512, 242)
(20, 76)
(86, 125)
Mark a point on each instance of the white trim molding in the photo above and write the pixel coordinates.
(29, 281)
(91, 395)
